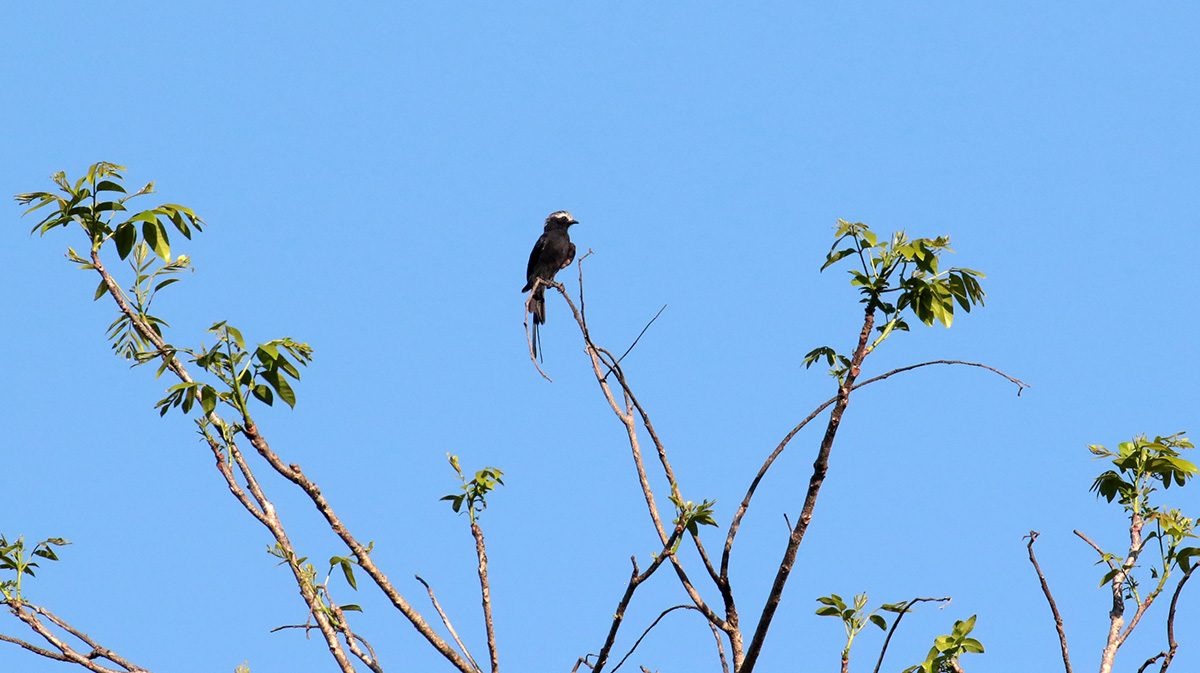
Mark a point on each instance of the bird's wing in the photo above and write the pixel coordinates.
(534, 256)
(570, 255)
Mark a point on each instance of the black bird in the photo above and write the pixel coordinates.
(553, 252)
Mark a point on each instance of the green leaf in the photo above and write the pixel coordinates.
(100, 290)
(109, 186)
(348, 571)
(263, 393)
(879, 621)
(125, 236)
(833, 257)
(350, 607)
(208, 399)
(829, 611)
(972, 645)
(150, 230)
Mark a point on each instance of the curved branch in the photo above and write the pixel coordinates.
(647, 631)
(1171, 621)
(906, 609)
(737, 517)
(1058, 622)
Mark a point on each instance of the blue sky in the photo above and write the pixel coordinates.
(374, 176)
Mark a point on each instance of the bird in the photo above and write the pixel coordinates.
(552, 253)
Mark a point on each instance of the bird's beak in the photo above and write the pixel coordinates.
(572, 222)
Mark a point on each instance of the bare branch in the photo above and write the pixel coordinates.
(446, 621)
(1150, 661)
(486, 592)
(820, 468)
(1058, 622)
(720, 647)
(906, 609)
(1171, 620)
(647, 632)
(27, 612)
(634, 581)
(635, 341)
(625, 415)
(737, 517)
(1111, 565)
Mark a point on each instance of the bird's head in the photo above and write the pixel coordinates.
(560, 220)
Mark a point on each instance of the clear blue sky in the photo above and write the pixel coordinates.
(374, 176)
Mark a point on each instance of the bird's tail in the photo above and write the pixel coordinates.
(537, 306)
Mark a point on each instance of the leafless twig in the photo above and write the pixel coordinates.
(28, 613)
(1058, 622)
(446, 620)
(635, 341)
(905, 610)
(647, 632)
(1149, 662)
(1172, 645)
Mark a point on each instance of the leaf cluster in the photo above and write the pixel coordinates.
(1141, 465)
(908, 267)
(853, 618)
(475, 490)
(946, 650)
(15, 557)
(308, 573)
(897, 274)
(262, 373)
(80, 203)
(691, 515)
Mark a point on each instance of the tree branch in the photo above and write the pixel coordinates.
(1058, 622)
(1172, 645)
(268, 516)
(647, 632)
(820, 468)
(446, 621)
(27, 612)
(907, 609)
(485, 591)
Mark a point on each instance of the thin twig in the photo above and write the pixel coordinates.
(720, 647)
(905, 609)
(446, 621)
(737, 517)
(1171, 620)
(626, 416)
(306, 627)
(1058, 622)
(635, 580)
(1151, 661)
(635, 341)
(1111, 565)
(647, 632)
